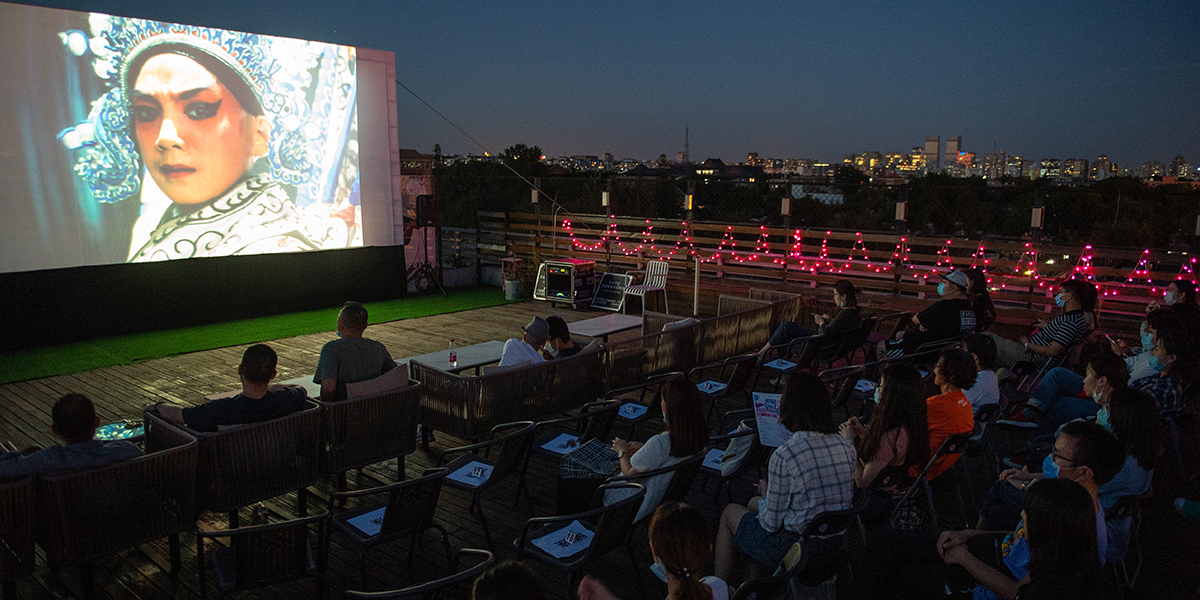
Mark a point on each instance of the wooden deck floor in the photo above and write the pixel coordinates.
(123, 391)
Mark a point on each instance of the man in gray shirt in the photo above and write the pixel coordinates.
(75, 421)
(351, 358)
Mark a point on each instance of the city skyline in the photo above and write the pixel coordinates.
(1072, 79)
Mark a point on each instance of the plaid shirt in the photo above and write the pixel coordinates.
(1167, 391)
(809, 474)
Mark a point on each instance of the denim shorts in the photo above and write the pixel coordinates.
(763, 547)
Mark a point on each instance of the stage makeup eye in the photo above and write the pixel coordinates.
(143, 113)
(198, 111)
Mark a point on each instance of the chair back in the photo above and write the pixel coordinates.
(890, 477)
(16, 529)
(360, 431)
(852, 341)
(615, 521)
(411, 505)
(266, 554)
(600, 418)
(656, 273)
(251, 463)
(767, 588)
(86, 515)
(455, 587)
(513, 448)
(680, 477)
(841, 382)
(572, 381)
(1122, 509)
(727, 304)
(954, 444)
(469, 407)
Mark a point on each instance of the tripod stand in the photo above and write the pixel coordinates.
(424, 273)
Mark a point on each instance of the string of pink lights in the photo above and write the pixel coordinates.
(646, 243)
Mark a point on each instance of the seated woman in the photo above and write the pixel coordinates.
(1057, 399)
(686, 435)
(845, 320)
(812, 472)
(987, 386)
(948, 413)
(680, 542)
(981, 300)
(1173, 358)
(897, 432)
(1137, 360)
(1078, 300)
(1178, 292)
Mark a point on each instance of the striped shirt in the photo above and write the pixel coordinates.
(1067, 329)
(809, 474)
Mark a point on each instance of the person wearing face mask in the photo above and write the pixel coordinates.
(680, 543)
(987, 386)
(898, 431)
(560, 345)
(1062, 395)
(1178, 292)
(1137, 360)
(949, 317)
(1173, 358)
(845, 319)
(1078, 300)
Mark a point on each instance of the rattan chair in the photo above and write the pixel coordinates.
(266, 554)
(454, 587)
(16, 533)
(357, 432)
(610, 527)
(470, 407)
(408, 512)
(84, 516)
(513, 446)
(251, 463)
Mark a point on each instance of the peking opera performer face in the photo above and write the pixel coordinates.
(228, 143)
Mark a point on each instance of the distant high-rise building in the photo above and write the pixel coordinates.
(1050, 167)
(933, 152)
(953, 147)
(993, 165)
(1151, 168)
(752, 159)
(1075, 168)
(1102, 168)
(1173, 169)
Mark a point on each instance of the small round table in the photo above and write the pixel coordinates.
(129, 431)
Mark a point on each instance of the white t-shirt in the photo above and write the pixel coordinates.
(985, 391)
(655, 454)
(516, 350)
(720, 589)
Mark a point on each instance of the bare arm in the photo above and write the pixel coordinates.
(1054, 349)
(170, 412)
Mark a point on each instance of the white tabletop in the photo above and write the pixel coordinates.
(475, 355)
(605, 326)
(306, 382)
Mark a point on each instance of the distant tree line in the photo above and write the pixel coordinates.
(1116, 211)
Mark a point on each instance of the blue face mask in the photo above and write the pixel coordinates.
(1157, 365)
(1059, 300)
(659, 570)
(1102, 418)
(1147, 339)
(1169, 298)
(942, 289)
(1050, 468)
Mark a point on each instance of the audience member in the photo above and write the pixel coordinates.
(981, 300)
(524, 351)
(74, 420)
(1078, 299)
(948, 413)
(812, 472)
(258, 401)
(1057, 397)
(1178, 292)
(951, 316)
(686, 435)
(1137, 360)
(1173, 359)
(561, 344)
(351, 358)
(898, 433)
(845, 319)
(680, 543)
(508, 580)
(987, 386)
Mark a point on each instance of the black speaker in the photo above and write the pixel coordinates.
(429, 214)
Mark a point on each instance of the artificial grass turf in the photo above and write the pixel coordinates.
(106, 352)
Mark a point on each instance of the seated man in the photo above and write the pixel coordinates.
(525, 350)
(75, 421)
(351, 358)
(561, 344)
(258, 401)
(1078, 299)
(951, 316)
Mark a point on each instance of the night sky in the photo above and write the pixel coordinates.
(784, 79)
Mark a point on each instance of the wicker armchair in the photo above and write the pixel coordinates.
(361, 431)
(469, 407)
(652, 322)
(87, 515)
(253, 462)
(16, 533)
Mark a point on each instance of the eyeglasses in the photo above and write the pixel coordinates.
(1054, 453)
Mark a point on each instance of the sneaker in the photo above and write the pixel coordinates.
(1188, 508)
(1019, 420)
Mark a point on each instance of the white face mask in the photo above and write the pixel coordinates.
(1169, 297)
(1097, 393)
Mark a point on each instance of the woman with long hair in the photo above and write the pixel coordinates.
(898, 433)
(1060, 533)
(981, 300)
(845, 319)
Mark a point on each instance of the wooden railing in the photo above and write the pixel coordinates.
(877, 262)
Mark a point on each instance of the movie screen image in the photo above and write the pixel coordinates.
(129, 140)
